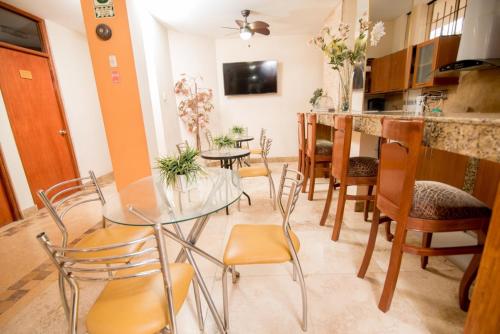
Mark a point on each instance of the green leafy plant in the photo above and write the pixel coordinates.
(316, 95)
(238, 130)
(185, 164)
(224, 141)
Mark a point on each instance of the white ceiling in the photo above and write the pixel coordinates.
(67, 13)
(387, 10)
(206, 17)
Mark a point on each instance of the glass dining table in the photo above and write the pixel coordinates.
(149, 202)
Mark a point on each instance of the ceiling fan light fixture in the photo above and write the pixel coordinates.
(246, 33)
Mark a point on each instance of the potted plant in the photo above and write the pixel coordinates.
(342, 58)
(238, 130)
(224, 141)
(180, 171)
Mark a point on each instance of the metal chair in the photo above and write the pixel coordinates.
(210, 139)
(258, 171)
(262, 137)
(268, 244)
(181, 147)
(143, 295)
(65, 196)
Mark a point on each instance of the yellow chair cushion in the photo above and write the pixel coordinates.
(258, 244)
(112, 235)
(252, 171)
(138, 305)
(256, 151)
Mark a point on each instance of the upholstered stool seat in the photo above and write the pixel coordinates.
(256, 151)
(137, 305)
(362, 167)
(258, 244)
(253, 171)
(324, 147)
(440, 201)
(112, 235)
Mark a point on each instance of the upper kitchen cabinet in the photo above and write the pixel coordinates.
(432, 54)
(391, 73)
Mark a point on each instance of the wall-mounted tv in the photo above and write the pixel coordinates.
(257, 77)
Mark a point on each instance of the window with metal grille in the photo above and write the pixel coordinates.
(445, 17)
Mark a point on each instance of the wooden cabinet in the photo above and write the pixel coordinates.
(431, 55)
(391, 73)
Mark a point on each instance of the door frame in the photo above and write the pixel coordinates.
(6, 184)
(46, 53)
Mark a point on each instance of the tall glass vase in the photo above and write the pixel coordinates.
(345, 74)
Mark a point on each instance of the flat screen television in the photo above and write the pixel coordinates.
(257, 77)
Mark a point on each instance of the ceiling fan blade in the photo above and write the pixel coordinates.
(240, 23)
(233, 28)
(258, 24)
(263, 31)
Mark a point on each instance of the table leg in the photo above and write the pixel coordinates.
(201, 282)
(193, 236)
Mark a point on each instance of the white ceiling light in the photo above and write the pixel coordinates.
(245, 33)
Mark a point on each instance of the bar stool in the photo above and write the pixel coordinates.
(318, 151)
(424, 206)
(301, 127)
(349, 171)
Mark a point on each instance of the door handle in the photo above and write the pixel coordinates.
(62, 132)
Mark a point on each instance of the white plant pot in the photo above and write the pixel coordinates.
(182, 184)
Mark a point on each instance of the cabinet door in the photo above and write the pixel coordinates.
(424, 65)
(397, 70)
(375, 76)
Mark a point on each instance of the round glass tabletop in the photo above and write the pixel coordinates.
(161, 203)
(230, 153)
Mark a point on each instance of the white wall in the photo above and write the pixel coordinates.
(299, 74)
(71, 58)
(195, 56)
(81, 105)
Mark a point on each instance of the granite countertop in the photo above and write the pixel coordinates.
(472, 134)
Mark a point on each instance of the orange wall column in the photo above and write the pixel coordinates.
(118, 93)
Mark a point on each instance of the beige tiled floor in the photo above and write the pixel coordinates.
(265, 300)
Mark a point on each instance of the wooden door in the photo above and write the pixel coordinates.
(36, 119)
(397, 70)
(8, 206)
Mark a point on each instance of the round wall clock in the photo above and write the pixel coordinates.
(103, 31)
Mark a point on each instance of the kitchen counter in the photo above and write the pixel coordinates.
(476, 135)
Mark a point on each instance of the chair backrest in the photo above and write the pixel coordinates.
(301, 130)
(311, 134)
(62, 197)
(341, 146)
(181, 147)
(399, 152)
(266, 148)
(210, 139)
(262, 137)
(80, 264)
(288, 192)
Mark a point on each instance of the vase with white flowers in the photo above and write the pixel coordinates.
(342, 58)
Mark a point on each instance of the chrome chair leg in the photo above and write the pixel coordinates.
(272, 191)
(294, 274)
(73, 320)
(234, 274)
(64, 300)
(224, 298)
(302, 288)
(196, 290)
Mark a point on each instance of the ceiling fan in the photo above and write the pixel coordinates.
(247, 29)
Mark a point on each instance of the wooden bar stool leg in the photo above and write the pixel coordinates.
(394, 266)
(339, 213)
(467, 280)
(367, 203)
(299, 164)
(388, 234)
(306, 173)
(328, 202)
(371, 243)
(312, 178)
(426, 243)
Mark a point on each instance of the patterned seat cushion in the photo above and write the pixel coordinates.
(362, 167)
(323, 147)
(436, 200)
